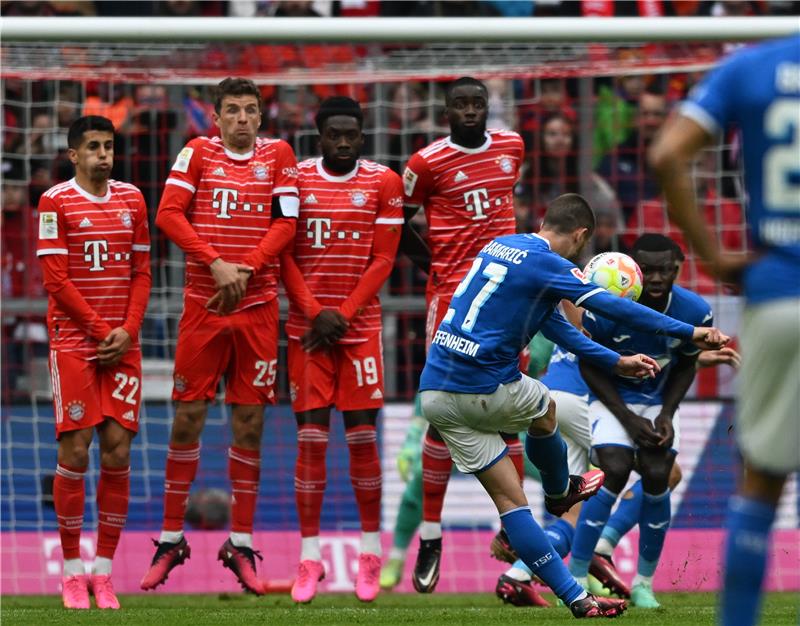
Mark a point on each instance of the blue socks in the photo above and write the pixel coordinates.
(653, 526)
(549, 455)
(533, 547)
(560, 534)
(594, 515)
(746, 546)
(626, 516)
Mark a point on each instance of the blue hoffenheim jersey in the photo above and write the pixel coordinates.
(563, 373)
(509, 294)
(683, 305)
(758, 90)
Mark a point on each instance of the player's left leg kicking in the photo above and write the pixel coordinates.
(349, 376)
(89, 396)
(616, 455)
(242, 346)
(482, 452)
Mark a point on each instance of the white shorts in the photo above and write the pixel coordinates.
(572, 415)
(470, 423)
(607, 431)
(768, 413)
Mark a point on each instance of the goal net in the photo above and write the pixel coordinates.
(586, 112)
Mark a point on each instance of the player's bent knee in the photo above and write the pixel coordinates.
(117, 456)
(545, 424)
(675, 476)
(617, 464)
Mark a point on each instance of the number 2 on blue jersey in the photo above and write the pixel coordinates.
(495, 273)
(780, 161)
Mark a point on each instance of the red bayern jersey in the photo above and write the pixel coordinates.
(95, 254)
(468, 199)
(348, 231)
(218, 203)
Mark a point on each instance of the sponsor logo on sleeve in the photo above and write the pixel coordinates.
(396, 202)
(409, 181)
(579, 275)
(48, 226)
(183, 160)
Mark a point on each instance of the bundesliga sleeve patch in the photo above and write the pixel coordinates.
(409, 181)
(579, 275)
(48, 226)
(182, 162)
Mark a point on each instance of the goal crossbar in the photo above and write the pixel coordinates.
(407, 30)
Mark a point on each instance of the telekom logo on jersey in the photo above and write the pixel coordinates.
(319, 229)
(477, 201)
(94, 252)
(225, 200)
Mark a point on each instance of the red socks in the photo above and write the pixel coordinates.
(436, 467)
(365, 474)
(515, 453)
(244, 468)
(68, 496)
(310, 476)
(182, 461)
(113, 490)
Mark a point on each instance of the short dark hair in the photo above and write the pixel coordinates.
(656, 242)
(235, 87)
(568, 213)
(85, 124)
(338, 105)
(459, 82)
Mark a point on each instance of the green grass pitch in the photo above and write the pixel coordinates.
(679, 609)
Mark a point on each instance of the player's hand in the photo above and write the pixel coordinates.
(707, 338)
(231, 279)
(725, 356)
(638, 365)
(664, 428)
(114, 346)
(641, 431)
(327, 328)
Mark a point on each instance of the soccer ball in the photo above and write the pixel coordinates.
(617, 273)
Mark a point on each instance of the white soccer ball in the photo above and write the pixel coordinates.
(617, 273)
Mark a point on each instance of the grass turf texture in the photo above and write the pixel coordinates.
(690, 609)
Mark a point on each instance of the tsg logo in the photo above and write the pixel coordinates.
(477, 201)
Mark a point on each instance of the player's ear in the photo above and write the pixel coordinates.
(72, 154)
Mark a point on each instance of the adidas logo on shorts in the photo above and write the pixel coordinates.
(376, 395)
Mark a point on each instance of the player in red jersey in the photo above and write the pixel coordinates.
(94, 247)
(231, 205)
(465, 183)
(351, 217)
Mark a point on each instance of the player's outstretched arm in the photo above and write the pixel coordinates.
(602, 385)
(647, 320)
(567, 336)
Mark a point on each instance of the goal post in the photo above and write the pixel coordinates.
(153, 77)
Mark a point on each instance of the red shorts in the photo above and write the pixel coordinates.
(437, 309)
(242, 346)
(349, 376)
(86, 393)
